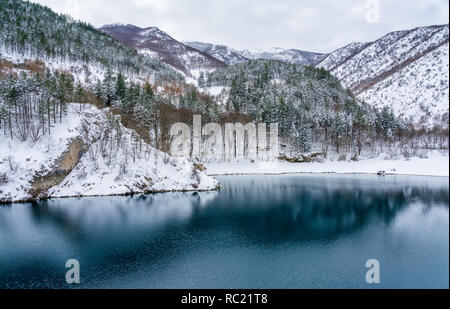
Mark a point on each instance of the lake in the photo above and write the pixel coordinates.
(286, 231)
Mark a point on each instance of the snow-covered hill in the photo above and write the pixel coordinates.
(233, 56)
(287, 55)
(31, 32)
(154, 42)
(407, 70)
(90, 153)
(224, 53)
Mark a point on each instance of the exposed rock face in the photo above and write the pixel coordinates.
(91, 153)
(42, 183)
(303, 158)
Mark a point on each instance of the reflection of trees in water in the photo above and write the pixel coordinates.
(314, 211)
(123, 234)
(259, 210)
(132, 231)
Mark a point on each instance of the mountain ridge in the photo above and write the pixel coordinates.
(159, 44)
(234, 56)
(291, 55)
(222, 52)
(381, 67)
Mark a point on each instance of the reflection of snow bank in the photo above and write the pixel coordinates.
(204, 198)
(147, 210)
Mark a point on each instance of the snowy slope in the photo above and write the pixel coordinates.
(287, 55)
(419, 91)
(31, 31)
(20, 161)
(341, 55)
(154, 42)
(115, 161)
(224, 53)
(407, 70)
(233, 56)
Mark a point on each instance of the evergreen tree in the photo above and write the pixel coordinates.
(201, 80)
(120, 87)
(108, 91)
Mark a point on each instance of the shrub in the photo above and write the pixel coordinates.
(3, 178)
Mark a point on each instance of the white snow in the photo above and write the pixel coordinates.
(148, 52)
(420, 89)
(286, 55)
(215, 90)
(410, 70)
(116, 161)
(435, 165)
(27, 158)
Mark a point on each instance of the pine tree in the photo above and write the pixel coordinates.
(148, 91)
(108, 91)
(201, 80)
(120, 87)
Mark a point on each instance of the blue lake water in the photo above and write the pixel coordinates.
(287, 231)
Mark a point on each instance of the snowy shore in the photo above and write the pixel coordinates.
(436, 164)
(90, 154)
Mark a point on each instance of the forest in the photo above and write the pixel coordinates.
(314, 112)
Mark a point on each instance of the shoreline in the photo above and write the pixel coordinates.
(435, 165)
(34, 200)
(324, 173)
(31, 200)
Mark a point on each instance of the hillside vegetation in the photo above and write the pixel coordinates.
(313, 109)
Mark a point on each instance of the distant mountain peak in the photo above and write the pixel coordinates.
(222, 52)
(154, 41)
(287, 55)
(152, 31)
(234, 56)
(407, 70)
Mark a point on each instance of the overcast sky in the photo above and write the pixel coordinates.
(314, 25)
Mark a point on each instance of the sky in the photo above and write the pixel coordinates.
(312, 25)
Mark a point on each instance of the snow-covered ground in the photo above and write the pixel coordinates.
(286, 55)
(115, 161)
(420, 89)
(406, 70)
(86, 74)
(435, 164)
(20, 161)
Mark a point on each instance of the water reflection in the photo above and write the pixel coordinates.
(115, 236)
(320, 207)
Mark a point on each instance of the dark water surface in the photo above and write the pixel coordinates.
(290, 231)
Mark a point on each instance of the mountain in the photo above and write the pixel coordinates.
(157, 43)
(30, 31)
(224, 53)
(287, 55)
(233, 56)
(407, 70)
(313, 111)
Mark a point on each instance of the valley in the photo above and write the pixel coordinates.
(117, 90)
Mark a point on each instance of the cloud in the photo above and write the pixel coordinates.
(321, 25)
